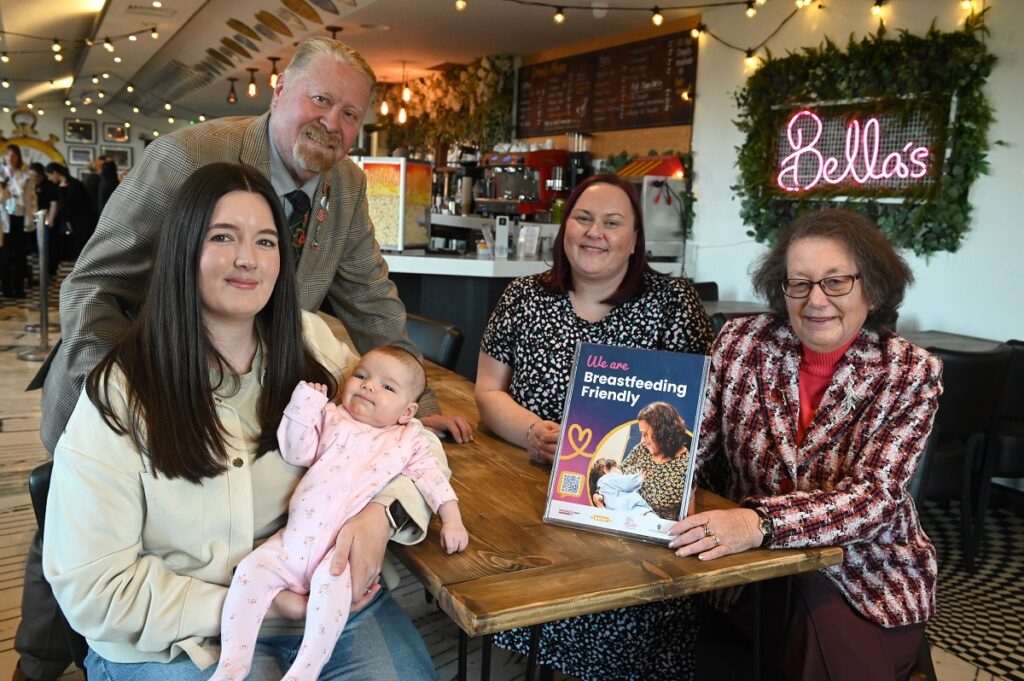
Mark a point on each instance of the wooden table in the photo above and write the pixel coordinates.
(520, 571)
(949, 341)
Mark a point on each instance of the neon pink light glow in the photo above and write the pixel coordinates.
(860, 164)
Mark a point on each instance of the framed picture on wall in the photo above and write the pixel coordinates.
(79, 130)
(81, 155)
(112, 132)
(122, 156)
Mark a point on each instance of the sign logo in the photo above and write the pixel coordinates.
(886, 153)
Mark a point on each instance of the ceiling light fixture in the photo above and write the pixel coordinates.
(202, 117)
(966, 5)
(406, 92)
(273, 72)
(402, 116)
(656, 17)
(129, 88)
(101, 94)
(95, 80)
(697, 30)
(117, 60)
(57, 56)
(154, 34)
(751, 59)
(135, 109)
(232, 95)
(751, 9)
(170, 119)
(105, 75)
(5, 83)
(99, 111)
(107, 45)
(460, 5)
(4, 58)
(167, 106)
(73, 109)
(876, 9)
(384, 107)
(251, 90)
(559, 17)
(56, 45)
(30, 105)
(133, 37)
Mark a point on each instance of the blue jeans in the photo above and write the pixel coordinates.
(379, 643)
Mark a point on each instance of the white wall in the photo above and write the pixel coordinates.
(977, 291)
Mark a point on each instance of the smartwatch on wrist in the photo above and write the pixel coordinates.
(397, 517)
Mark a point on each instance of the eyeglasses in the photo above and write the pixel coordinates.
(831, 286)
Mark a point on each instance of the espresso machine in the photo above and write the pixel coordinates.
(523, 183)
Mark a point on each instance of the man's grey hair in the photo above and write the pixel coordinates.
(309, 48)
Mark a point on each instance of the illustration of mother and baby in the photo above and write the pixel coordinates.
(652, 477)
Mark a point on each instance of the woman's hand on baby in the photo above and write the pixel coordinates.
(442, 424)
(361, 544)
(454, 537)
(287, 605)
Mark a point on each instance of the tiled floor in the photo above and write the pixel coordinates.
(20, 451)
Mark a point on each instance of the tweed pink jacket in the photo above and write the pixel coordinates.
(846, 483)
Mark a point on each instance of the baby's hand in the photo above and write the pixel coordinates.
(331, 412)
(319, 387)
(454, 537)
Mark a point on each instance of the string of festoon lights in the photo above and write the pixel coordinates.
(876, 8)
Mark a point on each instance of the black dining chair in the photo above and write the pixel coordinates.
(719, 319)
(439, 342)
(38, 489)
(951, 464)
(707, 290)
(1004, 455)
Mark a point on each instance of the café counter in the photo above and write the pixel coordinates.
(463, 290)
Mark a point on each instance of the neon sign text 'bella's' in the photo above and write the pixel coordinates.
(807, 167)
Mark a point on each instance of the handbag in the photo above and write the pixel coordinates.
(10, 205)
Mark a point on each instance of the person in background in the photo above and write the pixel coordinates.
(600, 289)
(15, 191)
(47, 200)
(815, 419)
(77, 217)
(301, 146)
(91, 182)
(108, 182)
(169, 472)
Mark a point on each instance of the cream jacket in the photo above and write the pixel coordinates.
(140, 564)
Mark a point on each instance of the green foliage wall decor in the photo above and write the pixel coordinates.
(896, 74)
(471, 103)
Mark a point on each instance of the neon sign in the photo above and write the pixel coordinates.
(864, 158)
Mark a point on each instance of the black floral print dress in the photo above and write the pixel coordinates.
(535, 333)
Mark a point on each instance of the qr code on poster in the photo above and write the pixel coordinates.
(570, 484)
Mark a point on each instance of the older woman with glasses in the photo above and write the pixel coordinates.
(815, 421)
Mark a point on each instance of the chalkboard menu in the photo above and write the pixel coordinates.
(637, 85)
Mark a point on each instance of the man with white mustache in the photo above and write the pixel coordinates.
(301, 144)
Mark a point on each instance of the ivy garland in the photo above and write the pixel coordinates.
(471, 103)
(896, 75)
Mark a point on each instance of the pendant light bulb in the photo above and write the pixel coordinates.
(384, 107)
(460, 5)
(876, 9)
(402, 116)
(251, 89)
(273, 72)
(56, 45)
(751, 9)
(656, 17)
(559, 17)
(107, 45)
(232, 95)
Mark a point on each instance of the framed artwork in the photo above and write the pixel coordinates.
(79, 130)
(81, 155)
(112, 132)
(122, 156)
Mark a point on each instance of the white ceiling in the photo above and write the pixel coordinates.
(177, 66)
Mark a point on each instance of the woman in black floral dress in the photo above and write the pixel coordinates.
(600, 289)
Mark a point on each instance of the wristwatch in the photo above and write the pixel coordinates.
(765, 525)
(397, 516)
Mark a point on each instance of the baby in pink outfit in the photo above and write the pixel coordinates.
(353, 450)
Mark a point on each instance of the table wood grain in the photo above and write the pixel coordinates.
(521, 571)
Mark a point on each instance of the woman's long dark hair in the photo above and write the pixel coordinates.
(167, 354)
(559, 278)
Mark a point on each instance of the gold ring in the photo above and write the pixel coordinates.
(707, 530)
